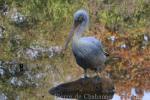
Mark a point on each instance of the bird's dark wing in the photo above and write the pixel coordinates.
(97, 43)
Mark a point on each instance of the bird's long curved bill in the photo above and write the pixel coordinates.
(69, 37)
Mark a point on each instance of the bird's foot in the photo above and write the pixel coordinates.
(98, 76)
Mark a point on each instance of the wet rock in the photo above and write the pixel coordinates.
(3, 96)
(85, 89)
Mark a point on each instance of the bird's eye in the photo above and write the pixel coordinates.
(80, 19)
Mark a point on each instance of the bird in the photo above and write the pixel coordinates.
(88, 51)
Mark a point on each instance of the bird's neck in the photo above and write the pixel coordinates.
(79, 32)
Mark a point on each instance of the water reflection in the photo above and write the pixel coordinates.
(136, 94)
(85, 89)
(146, 96)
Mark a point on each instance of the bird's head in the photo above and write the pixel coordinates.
(81, 17)
(81, 20)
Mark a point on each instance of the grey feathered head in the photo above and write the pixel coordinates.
(81, 17)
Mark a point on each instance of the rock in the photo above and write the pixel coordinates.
(112, 38)
(32, 54)
(17, 17)
(37, 52)
(18, 74)
(12, 68)
(3, 96)
(17, 98)
(145, 41)
(16, 68)
(2, 72)
(123, 46)
(4, 9)
(146, 37)
(15, 82)
(52, 51)
(2, 29)
(24, 81)
(94, 88)
(40, 75)
(29, 79)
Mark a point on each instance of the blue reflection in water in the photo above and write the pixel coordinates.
(146, 95)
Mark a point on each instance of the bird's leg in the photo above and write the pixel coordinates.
(98, 75)
(85, 73)
(97, 71)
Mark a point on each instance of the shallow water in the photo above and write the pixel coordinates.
(145, 96)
